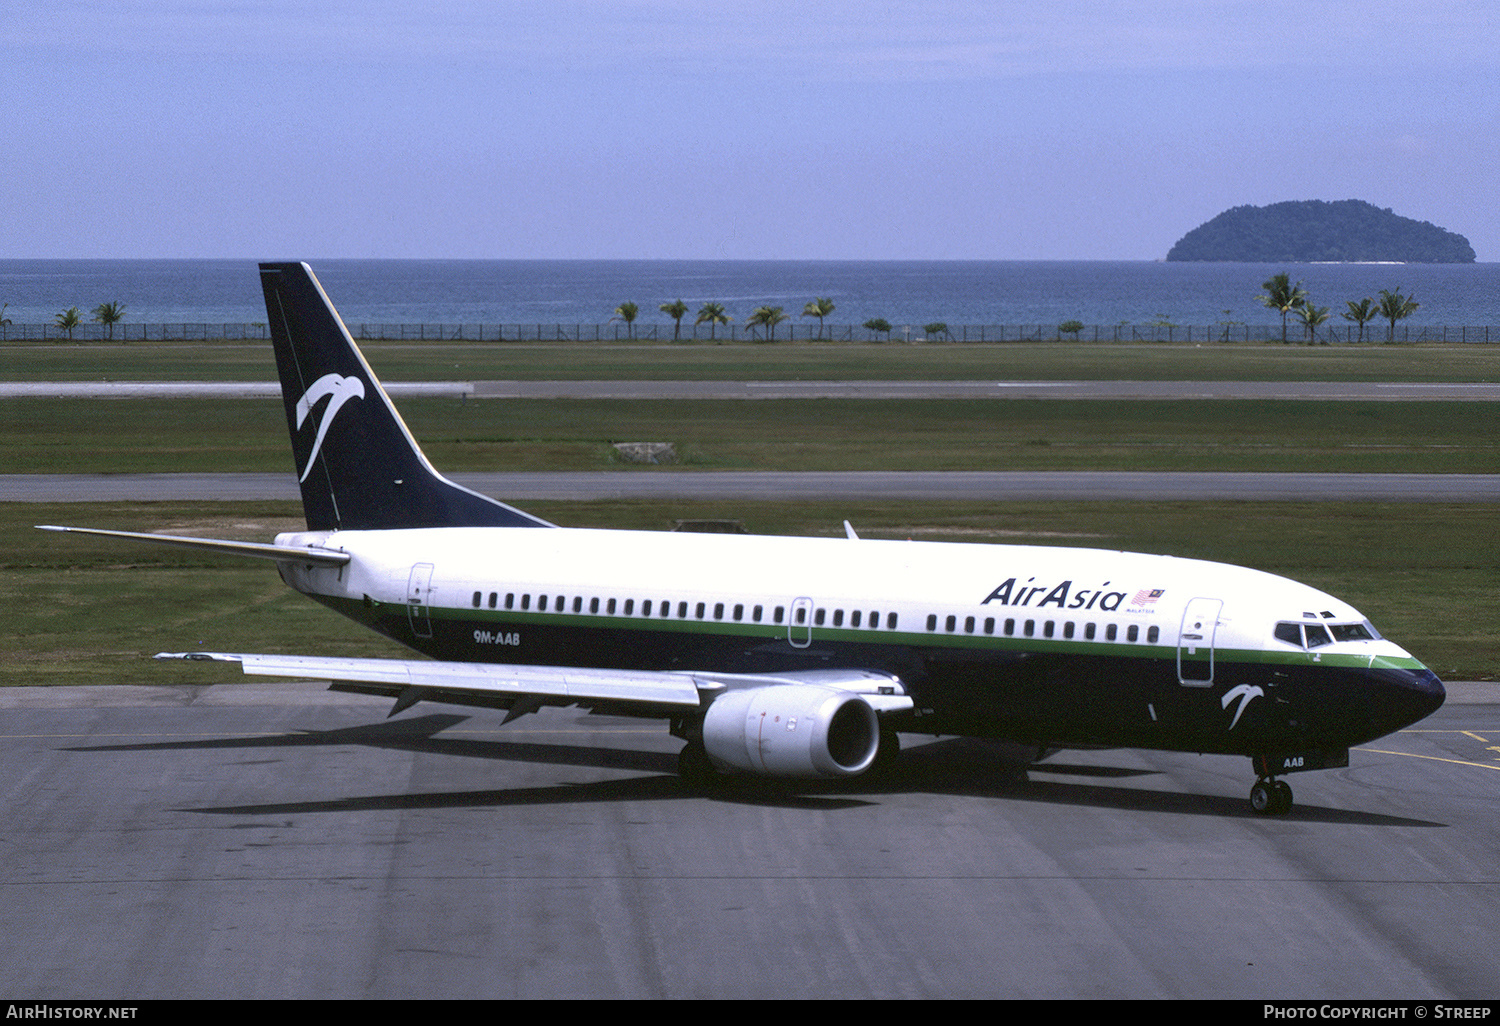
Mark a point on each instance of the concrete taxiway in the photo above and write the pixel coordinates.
(973, 486)
(281, 841)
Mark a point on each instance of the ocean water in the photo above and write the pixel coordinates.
(587, 291)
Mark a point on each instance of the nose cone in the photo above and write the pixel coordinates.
(1406, 695)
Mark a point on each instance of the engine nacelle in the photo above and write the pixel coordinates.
(791, 730)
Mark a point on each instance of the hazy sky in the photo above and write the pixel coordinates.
(933, 129)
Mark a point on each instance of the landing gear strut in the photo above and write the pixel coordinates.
(1271, 797)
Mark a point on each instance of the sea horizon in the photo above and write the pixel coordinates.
(441, 290)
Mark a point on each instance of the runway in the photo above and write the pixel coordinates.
(1323, 391)
(972, 486)
(281, 841)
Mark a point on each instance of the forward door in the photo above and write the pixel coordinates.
(1195, 642)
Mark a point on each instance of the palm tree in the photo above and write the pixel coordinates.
(69, 319)
(1312, 316)
(109, 314)
(819, 308)
(626, 312)
(1361, 312)
(1394, 307)
(714, 314)
(1281, 295)
(767, 316)
(677, 311)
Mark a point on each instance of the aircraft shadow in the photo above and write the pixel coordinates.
(956, 767)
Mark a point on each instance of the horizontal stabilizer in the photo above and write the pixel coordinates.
(259, 550)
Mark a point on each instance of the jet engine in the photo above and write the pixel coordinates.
(791, 730)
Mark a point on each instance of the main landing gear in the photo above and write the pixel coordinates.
(1271, 797)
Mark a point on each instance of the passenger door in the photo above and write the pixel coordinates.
(1195, 642)
(418, 598)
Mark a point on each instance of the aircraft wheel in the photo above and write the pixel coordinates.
(695, 768)
(1271, 798)
(1283, 795)
(1262, 798)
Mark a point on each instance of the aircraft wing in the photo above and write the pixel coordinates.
(506, 684)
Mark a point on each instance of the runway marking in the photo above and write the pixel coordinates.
(1433, 758)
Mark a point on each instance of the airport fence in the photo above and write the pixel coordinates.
(124, 333)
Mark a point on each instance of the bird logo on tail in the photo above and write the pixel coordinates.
(338, 390)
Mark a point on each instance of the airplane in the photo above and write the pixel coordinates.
(785, 657)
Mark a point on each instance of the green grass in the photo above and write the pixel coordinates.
(197, 435)
(89, 610)
(1031, 361)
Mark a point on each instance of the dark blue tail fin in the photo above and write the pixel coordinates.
(359, 466)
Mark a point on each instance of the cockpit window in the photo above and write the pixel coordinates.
(1352, 632)
(1317, 635)
(1291, 633)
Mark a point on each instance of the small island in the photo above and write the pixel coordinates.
(1313, 231)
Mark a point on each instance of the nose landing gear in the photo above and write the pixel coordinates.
(1271, 797)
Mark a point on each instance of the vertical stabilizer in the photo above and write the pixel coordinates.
(359, 467)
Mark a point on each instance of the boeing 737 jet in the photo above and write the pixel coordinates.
(793, 657)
